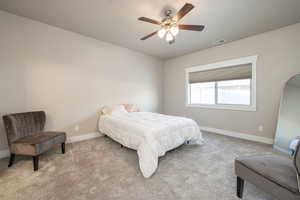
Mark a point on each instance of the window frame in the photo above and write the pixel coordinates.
(229, 63)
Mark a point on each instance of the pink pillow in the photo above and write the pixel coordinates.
(131, 108)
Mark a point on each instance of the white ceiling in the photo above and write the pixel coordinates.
(116, 21)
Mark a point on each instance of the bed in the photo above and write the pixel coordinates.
(151, 134)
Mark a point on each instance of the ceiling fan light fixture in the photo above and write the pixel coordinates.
(174, 30)
(169, 37)
(161, 33)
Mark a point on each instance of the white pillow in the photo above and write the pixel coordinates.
(114, 110)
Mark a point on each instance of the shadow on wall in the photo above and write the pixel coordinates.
(85, 126)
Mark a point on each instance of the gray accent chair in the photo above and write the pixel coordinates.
(26, 136)
(274, 174)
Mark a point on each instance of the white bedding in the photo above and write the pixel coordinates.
(151, 134)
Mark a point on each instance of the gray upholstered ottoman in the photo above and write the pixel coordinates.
(276, 175)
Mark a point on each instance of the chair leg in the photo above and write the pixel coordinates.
(63, 148)
(35, 163)
(240, 187)
(11, 160)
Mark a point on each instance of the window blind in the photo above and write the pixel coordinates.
(228, 73)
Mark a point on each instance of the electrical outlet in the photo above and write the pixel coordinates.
(261, 128)
(76, 128)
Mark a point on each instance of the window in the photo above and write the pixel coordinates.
(203, 93)
(226, 85)
(235, 92)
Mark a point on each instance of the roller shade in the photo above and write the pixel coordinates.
(228, 73)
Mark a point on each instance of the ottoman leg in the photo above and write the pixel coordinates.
(240, 187)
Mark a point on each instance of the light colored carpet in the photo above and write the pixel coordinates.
(101, 169)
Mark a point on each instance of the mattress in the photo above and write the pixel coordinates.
(151, 134)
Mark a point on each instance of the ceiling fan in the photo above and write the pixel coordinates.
(169, 25)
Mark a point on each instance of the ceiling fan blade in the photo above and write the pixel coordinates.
(183, 11)
(152, 21)
(191, 27)
(150, 35)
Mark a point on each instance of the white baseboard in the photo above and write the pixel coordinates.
(5, 153)
(87, 136)
(238, 135)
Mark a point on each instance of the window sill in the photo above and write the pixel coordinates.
(224, 107)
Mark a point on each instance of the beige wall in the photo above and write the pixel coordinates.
(70, 76)
(279, 60)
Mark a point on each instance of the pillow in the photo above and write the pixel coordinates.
(113, 110)
(131, 108)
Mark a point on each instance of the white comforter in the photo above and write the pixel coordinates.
(151, 134)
